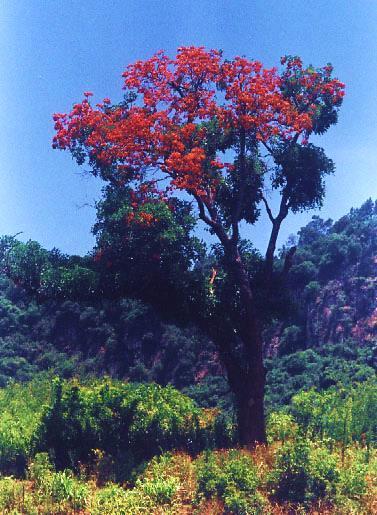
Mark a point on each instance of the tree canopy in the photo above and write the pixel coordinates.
(183, 119)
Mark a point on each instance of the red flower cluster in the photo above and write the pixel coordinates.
(165, 128)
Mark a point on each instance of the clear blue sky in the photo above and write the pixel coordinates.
(53, 50)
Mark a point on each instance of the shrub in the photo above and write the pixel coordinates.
(61, 492)
(324, 475)
(160, 491)
(40, 467)
(280, 426)
(129, 422)
(11, 492)
(342, 414)
(289, 478)
(64, 487)
(60, 488)
(232, 477)
(353, 481)
(304, 473)
(21, 411)
(112, 499)
(148, 496)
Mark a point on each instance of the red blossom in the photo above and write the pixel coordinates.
(165, 128)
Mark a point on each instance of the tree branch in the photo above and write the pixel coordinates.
(268, 148)
(268, 209)
(283, 212)
(211, 220)
(240, 200)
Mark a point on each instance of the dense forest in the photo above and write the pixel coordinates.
(65, 429)
(53, 319)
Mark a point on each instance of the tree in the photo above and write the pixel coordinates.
(136, 257)
(223, 132)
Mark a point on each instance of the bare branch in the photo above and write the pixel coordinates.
(268, 209)
(212, 219)
(177, 88)
(283, 212)
(268, 148)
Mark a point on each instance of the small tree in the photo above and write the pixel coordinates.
(223, 132)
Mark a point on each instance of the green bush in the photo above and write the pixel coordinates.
(63, 489)
(15, 497)
(40, 467)
(129, 422)
(11, 493)
(280, 426)
(115, 499)
(341, 414)
(323, 474)
(353, 482)
(150, 495)
(232, 477)
(160, 491)
(21, 412)
(303, 473)
(289, 478)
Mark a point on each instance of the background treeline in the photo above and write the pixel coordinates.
(110, 406)
(53, 315)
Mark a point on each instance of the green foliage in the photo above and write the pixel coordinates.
(327, 335)
(160, 491)
(303, 473)
(291, 340)
(130, 422)
(322, 367)
(300, 173)
(154, 496)
(281, 427)
(147, 261)
(114, 499)
(309, 462)
(39, 467)
(64, 490)
(23, 262)
(340, 251)
(341, 414)
(77, 282)
(233, 478)
(109, 500)
(155, 490)
(110, 416)
(11, 493)
(353, 481)
(21, 412)
(327, 341)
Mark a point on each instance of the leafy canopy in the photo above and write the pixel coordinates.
(182, 119)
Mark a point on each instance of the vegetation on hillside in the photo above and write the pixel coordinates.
(71, 441)
(102, 447)
(326, 333)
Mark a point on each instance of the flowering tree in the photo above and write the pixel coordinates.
(223, 131)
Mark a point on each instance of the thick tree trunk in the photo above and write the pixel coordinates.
(248, 386)
(249, 397)
(247, 377)
(246, 380)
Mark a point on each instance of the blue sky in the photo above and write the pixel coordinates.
(53, 50)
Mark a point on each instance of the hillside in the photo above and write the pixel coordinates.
(327, 334)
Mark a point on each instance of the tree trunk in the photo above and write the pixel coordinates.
(247, 377)
(250, 406)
